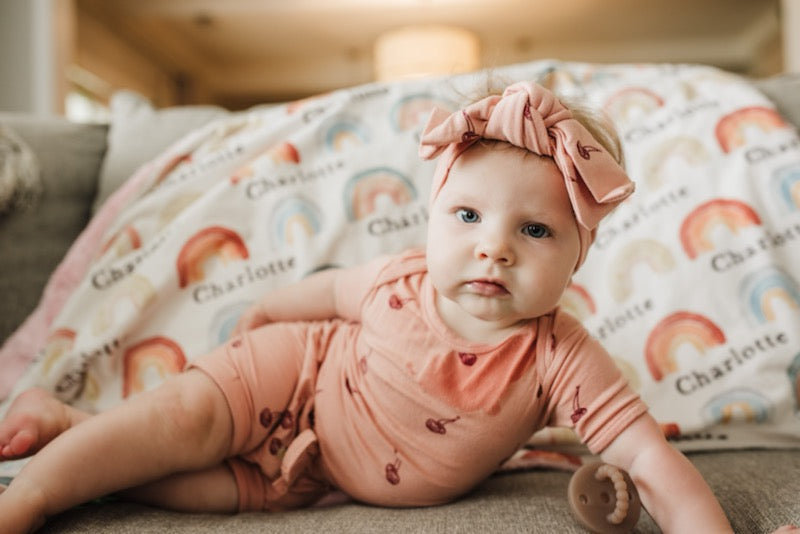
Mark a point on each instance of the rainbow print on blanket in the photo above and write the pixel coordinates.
(693, 284)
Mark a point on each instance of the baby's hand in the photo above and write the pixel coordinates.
(252, 318)
(787, 529)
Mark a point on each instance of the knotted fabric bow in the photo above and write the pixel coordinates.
(529, 116)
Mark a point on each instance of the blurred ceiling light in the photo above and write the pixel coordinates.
(416, 51)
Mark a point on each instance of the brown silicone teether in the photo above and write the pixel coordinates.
(604, 499)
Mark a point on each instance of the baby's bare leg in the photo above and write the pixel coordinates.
(183, 426)
(34, 419)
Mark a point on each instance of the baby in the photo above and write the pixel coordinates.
(402, 382)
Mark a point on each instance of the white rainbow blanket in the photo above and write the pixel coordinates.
(692, 284)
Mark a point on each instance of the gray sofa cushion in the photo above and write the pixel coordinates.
(33, 241)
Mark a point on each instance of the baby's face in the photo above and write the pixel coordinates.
(502, 237)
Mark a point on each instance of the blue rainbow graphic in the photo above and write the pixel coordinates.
(363, 190)
(739, 404)
(224, 321)
(344, 133)
(786, 182)
(292, 213)
(412, 111)
(760, 289)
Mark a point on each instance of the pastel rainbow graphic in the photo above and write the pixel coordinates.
(632, 103)
(363, 191)
(794, 377)
(682, 149)
(741, 404)
(213, 241)
(697, 228)
(648, 252)
(224, 321)
(762, 290)
(344, 133)
(413, 110)
(156, 355)
(293, 215)
(674, 331)
(128, 299)
(59, 342)
(734, 128)
(786, 182)
(577, 301)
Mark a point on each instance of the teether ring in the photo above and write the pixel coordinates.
(604, 499)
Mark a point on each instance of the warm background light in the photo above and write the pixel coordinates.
(417, 51)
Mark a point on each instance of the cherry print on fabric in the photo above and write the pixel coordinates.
(467, 358)
(585, 151)
(396, 302)
(437, 426)
(287, 420)
(393, 471)
(578, 411)
(236, 343)
(265, 417)
(275, 446)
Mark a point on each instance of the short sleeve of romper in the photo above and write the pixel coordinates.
(585, 389)
(353, 284)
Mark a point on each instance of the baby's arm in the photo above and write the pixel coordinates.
(312, 298)
(671, 489)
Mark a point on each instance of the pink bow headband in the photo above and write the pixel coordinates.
(529, 116)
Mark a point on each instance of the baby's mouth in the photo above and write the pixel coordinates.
(487, 288)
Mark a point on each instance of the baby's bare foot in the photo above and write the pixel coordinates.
(34, 419)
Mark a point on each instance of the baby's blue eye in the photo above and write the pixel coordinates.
(536, 230)
(467, 215)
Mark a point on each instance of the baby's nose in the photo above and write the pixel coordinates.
(496, 250)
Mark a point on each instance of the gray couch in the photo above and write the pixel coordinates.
(81, 164)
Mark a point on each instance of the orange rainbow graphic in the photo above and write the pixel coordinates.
(362, 191)
(696, 229)
(533, 458)
(682, 149)
(171, 165)
(577, 301)
(123, 242)
(632, 103)
(672, 332)
(59, 342)
(284, 152)
(647, 252)
(159, 354)
(135, 292)
(739, 404)
(732, 129)
(208, 242)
